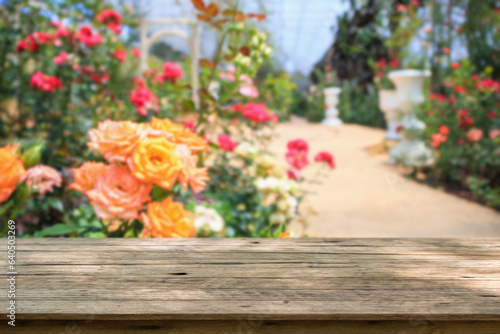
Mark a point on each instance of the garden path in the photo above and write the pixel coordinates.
(366, 197)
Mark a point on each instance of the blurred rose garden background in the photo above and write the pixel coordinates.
(199, 119)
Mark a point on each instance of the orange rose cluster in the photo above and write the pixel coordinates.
(140, 156)
(11, 171)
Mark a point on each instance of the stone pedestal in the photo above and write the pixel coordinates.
(411, 151)
(331, 101)
(388, 104)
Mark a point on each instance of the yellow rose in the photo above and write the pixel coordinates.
(155, 160)
(180, 134)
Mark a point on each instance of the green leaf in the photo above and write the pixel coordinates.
(57, 204)
(58, 229)
(96, 235)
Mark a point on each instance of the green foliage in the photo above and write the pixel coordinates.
(358, 106)
(277, 90)
(316, 99)
(315, 105)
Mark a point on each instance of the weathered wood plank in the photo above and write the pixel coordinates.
(231, 309)
(292, 280)
(256, 325)
(305, 271)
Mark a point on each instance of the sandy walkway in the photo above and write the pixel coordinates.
(364, 197)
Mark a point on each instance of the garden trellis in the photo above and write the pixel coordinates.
(192, 39)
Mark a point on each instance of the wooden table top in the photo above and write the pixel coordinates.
(274, 279)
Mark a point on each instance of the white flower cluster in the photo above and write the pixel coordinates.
(274, 184)
(207, 220)
(283, 192)
(259, 49)
(246, 150)
(258, 43)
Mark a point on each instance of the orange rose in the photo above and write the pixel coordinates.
(116, 140)
(167, 219)
(86, 176)
(118, 194)
(181, 135)
(11, 170)
(155, 160)
(196, 178)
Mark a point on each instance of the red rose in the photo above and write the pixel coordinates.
(488, 85)
(136, 53)
(438, 139)
(27, 43)
(293, 174)
(226, 142)
(256, 112)
(60, 58)
(143, 98)
(237, 107)
(172, 71)
(99, 79)
(463, 113)
(298, 144)
(443, 129)
(111, 18)
(381, 63)
(45, 82)
(121, 55)
(298, 159)
(325, 157)
(87, 37)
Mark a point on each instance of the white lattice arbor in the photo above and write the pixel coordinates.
(192, 39)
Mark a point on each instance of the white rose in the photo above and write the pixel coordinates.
(208, 218)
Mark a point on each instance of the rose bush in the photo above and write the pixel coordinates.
(463, 126)
(103, 151)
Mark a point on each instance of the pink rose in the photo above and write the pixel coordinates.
(60, 58)
(494, 133)
(118, 194)
(42, 179)
(474, 134)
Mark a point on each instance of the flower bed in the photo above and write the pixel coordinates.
(97, 149)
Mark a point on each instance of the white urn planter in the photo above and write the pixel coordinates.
(388, 104)
(214, 89)
(411, 151)
(331, 101)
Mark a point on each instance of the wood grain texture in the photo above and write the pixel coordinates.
(339, 281)
(258, 326)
